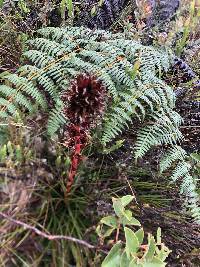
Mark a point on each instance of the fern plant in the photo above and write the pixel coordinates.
(60, 54)
(181, 174)
(129, 71)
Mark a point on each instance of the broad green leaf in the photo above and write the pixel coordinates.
(133, 221)
(132, 243)
(151, 249)
(128, 215)
(118, 207)
(140, 235)
(110, 221)
(113, 257)
(124, 261)
(126, 200)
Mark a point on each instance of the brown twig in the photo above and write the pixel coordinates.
(48, 236)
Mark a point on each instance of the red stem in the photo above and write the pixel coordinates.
(75, 158)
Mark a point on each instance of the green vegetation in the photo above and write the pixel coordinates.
(134, 253)
(99, 100)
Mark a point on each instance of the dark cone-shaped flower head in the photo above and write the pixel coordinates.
(85, 100)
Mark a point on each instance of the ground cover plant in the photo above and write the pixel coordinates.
(88, 114)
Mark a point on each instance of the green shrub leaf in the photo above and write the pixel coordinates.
(110, 221)
(113, 258)
(132, 243)
(140, 235)
(126, 200)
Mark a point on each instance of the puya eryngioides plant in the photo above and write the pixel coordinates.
(83, 80)
(133, 252)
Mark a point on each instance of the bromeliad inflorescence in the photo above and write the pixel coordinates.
(84, 103)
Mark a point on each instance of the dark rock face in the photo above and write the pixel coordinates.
(158, 10)
(104, 15)
(165, 9)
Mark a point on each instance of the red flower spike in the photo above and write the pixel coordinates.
(84, 103)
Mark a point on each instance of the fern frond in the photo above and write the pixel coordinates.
(181, 170)
(51, 48)
(17, 97)
(56, 119)
(28, 87)
(181, 174)
(38, 58)
(41, 78)
(11, 108)
(164, 130)
(174, 154)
